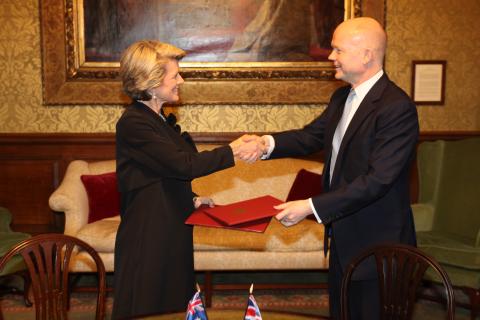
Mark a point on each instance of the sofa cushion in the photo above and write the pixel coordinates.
(304, 236)
(103, 197)
(100, 234)
(460, 277)
(448, 173)
(306, 185)
(449, 249)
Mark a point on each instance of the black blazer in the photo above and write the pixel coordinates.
(150, 150)
(154, 247)
(368, 199)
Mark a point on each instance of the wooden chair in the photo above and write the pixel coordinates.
(400, 271)
(47, 258)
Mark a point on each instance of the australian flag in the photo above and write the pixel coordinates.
(195, 309)
(252, 312)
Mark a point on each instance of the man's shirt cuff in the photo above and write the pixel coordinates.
(314, 211)
(271, 146)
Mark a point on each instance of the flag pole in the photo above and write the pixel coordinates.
(250, 293)
(200, 296)
(252, 311)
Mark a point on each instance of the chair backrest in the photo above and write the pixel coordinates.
(400, 270)
(47, 257)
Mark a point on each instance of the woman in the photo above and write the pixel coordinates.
(155, 165)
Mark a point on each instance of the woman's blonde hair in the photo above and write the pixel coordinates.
(142, 66)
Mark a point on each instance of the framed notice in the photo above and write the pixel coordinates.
(428, 82)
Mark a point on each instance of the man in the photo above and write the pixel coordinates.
(368, 132)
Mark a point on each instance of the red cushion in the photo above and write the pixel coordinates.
(306, 185)
(103, 197)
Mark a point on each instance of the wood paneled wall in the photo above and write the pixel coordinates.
(32, 166)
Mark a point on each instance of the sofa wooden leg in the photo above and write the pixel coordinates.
(208, 289)
(26, 288)
(475, 301)
(474, 297)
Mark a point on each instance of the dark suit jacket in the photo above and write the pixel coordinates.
(367, 201)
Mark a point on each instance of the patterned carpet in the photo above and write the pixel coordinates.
(82, 306)
(310, 302)
(315, 302)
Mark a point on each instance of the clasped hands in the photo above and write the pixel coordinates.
(250, 148)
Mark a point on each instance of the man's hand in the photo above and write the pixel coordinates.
(293, 212)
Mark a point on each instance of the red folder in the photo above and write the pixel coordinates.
(245, 211)
(200, 218)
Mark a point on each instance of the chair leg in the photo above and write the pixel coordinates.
(73, 280)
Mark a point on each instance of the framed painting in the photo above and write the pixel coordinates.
(238, 51)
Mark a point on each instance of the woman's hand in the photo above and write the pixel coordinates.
(198, 201)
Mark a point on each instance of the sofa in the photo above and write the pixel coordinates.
(447, 215)
(298, 247)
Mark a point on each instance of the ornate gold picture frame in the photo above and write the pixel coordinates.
(69, 78)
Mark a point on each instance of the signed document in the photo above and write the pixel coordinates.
(245, 211)
(248, 215)
(200, 218)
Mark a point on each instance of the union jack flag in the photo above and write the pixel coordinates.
(195, 309)
(252, 312)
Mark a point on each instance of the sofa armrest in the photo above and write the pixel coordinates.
(423, 216)
(5, 220)
(71, 197)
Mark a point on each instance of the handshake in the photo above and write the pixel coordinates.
(250, 147)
